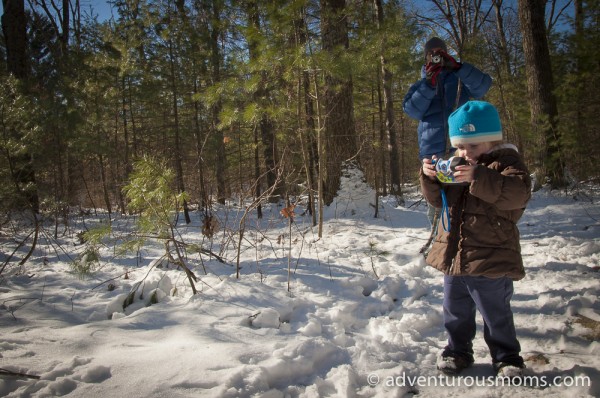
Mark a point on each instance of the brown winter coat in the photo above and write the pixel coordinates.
(483, 238)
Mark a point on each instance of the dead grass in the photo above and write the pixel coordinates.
(591, 325)
(538, 359)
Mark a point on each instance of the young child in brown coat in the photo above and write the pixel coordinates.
(477, 244)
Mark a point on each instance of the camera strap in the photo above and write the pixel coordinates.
(445, 212)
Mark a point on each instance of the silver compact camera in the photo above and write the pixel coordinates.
(437, 58)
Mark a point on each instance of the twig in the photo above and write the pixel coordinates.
(14, 251)
(108, 280)
(12, 311)
(242, 223)
(131, 295)
(203, 250)
(35, 239)
(434, 223)
(417, 203)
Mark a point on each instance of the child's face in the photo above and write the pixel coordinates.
(471, 152)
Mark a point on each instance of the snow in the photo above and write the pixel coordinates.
(340, 330)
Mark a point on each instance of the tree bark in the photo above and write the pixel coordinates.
(306, 118)
(340, 135)
(265, 124)
(504, 77)
(200, 140)
(217, 132)
(177, 144)
(540, 86)
(14, 27)
(390, 124)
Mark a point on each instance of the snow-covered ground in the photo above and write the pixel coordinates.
(362, 316)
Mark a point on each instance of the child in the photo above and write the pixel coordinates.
(477, 246)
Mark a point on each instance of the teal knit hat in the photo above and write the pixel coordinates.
(474, 122)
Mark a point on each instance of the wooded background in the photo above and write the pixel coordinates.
(269, 99)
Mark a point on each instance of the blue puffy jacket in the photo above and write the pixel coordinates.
(432, 105)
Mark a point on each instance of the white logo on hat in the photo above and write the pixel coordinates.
(468, 128)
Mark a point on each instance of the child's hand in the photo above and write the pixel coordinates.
(465, 173)
(429, 168)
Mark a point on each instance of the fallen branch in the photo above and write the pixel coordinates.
(14, 251)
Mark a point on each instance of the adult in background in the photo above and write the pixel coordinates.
(445, 85)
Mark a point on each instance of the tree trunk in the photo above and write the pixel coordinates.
(198, 132)
(579, 83)
(253, 21)
(307, 130)
(132, 118)
(265, 124)
(257, 190)
(378, 124)
(117, 175)
(14, 28)
(340, 135)
(390, 125)
(105, 191)
(217, 133)
(309, 145)
(540, 86)
(177, 145)
(504, 79)
(504, 52)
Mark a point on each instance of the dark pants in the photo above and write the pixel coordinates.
(464, 294)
